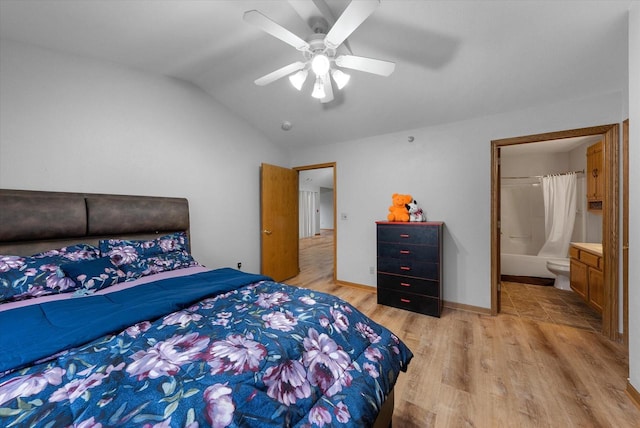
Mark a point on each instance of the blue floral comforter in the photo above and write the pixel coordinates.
(247, 354)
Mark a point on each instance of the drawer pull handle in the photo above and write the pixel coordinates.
(405, 268)
(404, 235)
(405, 252)
(404, 284)
(405, 300)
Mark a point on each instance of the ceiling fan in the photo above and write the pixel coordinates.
(320, 49)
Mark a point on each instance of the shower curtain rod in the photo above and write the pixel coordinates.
(541, 176)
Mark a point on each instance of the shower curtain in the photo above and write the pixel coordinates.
(559, 192)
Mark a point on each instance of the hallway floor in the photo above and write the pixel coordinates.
(547, 303)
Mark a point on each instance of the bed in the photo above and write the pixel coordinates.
(107, 320)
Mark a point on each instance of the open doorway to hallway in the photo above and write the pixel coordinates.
(317, 222)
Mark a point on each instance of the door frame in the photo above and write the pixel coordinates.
(335, 192)
(625, 232)
(610, 215)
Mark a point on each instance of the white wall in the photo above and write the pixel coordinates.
(73, 124)
(448, 170)
(326, 208)
(634, 196)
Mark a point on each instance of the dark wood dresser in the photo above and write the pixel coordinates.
(410, 266)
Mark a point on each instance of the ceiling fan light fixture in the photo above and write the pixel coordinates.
(320, 64)
(340, 78)
(318, 89)
(298, 79)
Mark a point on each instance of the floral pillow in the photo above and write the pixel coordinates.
(128, 251)
(36, 275)
(93, 274)
(72, 253)
(158, 263)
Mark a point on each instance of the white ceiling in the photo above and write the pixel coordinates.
(551, 146)
(454, 59)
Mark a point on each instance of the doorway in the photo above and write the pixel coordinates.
(610, 210)
(317, 207)
(528, 288)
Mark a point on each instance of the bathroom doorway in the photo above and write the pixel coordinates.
(609, 135)
(540, 183)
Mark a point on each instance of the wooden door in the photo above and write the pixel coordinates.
(279, 222)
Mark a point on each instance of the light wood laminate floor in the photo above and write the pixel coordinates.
(473, 370)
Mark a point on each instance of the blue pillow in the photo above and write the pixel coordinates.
(158, 263)
(34, 276)
(72, 253)
(128, 251)
(94, 274)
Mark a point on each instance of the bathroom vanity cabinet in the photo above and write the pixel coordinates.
(586, 273)
(595, 177)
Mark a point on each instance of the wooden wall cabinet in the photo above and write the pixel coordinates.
(587, 278)
(595, 177)
(409, 257)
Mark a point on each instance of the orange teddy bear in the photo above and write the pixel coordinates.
(398, 211)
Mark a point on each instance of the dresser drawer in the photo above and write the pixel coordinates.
(409, 301)
(408, 234)
(413, 268)
(408, 251)
(404, 284)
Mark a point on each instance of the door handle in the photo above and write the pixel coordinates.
(267, 232)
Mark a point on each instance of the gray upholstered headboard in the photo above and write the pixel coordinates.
(35, 221)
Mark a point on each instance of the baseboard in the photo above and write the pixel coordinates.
(633, 394)
(467, 308)
(368, 288)
(450, 305)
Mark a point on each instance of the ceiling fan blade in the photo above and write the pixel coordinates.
(311, 10)
(276, 30)
(280, 73)
(351, 18)
(328, 89)
(368, 65)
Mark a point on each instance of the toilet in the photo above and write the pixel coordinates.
(561, 269)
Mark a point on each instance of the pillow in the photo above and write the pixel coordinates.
(128, 251)
(158, 263)
(34, 276)
(72, 253)
(93, 274)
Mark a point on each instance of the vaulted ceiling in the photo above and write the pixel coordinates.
(454, 59)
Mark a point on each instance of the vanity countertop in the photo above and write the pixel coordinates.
(592, 247)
